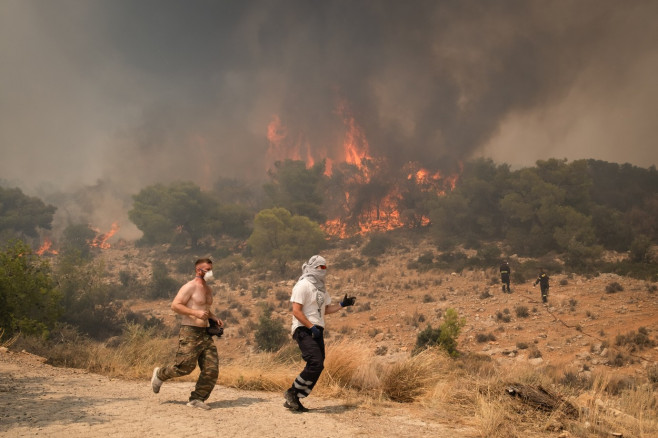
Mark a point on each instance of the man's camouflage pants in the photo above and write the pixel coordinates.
(194, 346)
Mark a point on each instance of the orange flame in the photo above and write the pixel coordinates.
(355, 145)
(276, 132)
(45, 247)
(381, 214)
(281, 147)
(100, 241)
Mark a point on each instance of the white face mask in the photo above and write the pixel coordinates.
(208, 276)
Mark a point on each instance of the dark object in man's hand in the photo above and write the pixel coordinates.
(347, 301)
(214, 329)
(316, 333)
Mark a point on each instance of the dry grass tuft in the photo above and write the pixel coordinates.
(407, 380)
(491, 418)
(138, 351)
(259, 372)
(7, 342)
(347, 365)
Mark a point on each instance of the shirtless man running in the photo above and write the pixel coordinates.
(195, 345)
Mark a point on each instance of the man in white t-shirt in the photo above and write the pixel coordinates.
(310, 304)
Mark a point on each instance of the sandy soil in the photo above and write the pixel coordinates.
(40, 400)
(37, 399)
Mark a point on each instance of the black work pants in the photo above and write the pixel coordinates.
(504, 279)
(313, 353)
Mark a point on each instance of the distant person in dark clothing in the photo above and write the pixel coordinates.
(505, 272)
(543, 284)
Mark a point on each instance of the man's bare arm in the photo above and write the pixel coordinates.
(332, 308)
(299, 314)
(219, 321)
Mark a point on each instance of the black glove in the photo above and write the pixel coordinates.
(316, 332)
(214, 329)
(347, 301)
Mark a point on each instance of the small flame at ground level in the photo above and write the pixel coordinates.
(100, 241)
(46, 248)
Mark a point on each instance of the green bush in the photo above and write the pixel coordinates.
(445, 336)
(455, 261)
(162, 286)
(626, 268)
(424, 262)
(270, 334)
(640, 249)
(89, 302)
(488, 255)
(29, 297)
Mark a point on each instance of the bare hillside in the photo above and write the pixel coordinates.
(580, 325)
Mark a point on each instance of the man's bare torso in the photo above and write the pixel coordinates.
(200, 298)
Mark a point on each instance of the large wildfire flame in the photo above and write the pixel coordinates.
(373, 193)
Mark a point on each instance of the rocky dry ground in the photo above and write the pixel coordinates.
(39, 400)
(576, 331)
(578, 328)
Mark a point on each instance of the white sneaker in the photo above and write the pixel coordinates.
(155, 382)
(198, 404)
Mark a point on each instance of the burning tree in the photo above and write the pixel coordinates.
(377, 197)
(360, 193)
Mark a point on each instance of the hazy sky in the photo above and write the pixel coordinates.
(136, 92)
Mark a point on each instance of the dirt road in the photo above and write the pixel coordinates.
(40, 400)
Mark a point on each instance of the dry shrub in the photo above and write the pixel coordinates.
(6, 343)
(258, 372)
(640, 402)
(492, 419)
(139, 350)
(476, 364)
(632, 413)
(348, 364)
(136, 352)
(451, 397)
(406, 381)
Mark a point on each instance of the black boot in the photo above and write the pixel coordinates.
(292, 401)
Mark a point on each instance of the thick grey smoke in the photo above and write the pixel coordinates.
(137, 92)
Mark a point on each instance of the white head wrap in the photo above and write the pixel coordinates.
(311, 272)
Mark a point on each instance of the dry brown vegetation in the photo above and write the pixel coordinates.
(570, 347)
